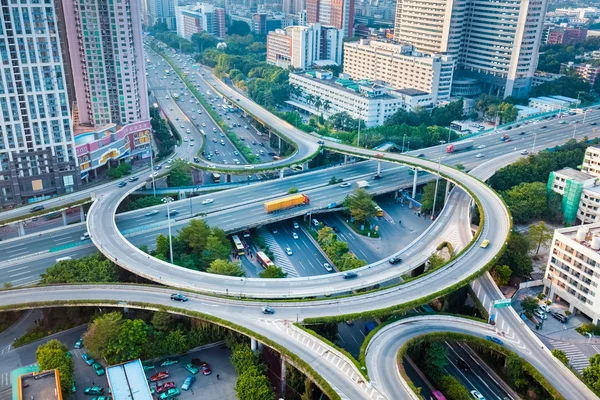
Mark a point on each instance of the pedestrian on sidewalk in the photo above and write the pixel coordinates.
(217, 376)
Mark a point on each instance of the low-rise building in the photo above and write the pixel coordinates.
(580, 194)
(591, 161)
(319, 93)
(202, 17)
(400, 66)
(566, 35)
(128, 381)
(526, 112)
(552, 103)
(43, 385)
(573, 270)
(587, 72)
(542, 77)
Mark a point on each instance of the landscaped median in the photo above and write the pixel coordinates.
(300, 364)
(46, 211)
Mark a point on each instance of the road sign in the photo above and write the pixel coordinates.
(502, 303)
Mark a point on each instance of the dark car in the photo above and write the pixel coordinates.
(350, 275)
(377, 177)
(543, 127)
(268, 310)
(522, 133)
(178, 297)
(421, 155)
(395, 260)
(36, 208)
(172, 213)
(121, 184)
(94, 390)
(320, 142)
(594, 123)
(462, 365)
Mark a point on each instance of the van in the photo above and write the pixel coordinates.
(315, 222)
(85, 236)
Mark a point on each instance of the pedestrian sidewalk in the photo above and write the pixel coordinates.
(577, 359)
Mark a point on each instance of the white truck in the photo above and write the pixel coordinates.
(362, 184)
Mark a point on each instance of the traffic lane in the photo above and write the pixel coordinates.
(352, 336)
(27, 245)
(471, 380)
(41, 225)
(458, 349)
(346, 234)
(306, 258)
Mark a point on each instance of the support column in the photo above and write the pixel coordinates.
(64, 217)
(305, 166)
(447, 190)
(259, 347)
(281, 173)
(414, 191)
(81, 214)
(345, 159)
(253, 344)
(378, 167)
(21, 225)
(283, 379)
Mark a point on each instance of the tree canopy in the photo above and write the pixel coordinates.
(223, 267)
(94, 268)
(273, 272)
(360, 205)
(180, 174)
(53, 355)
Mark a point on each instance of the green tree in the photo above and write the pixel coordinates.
(176, 342)
(180, 174)
(94, 268)
(360, 204)
(273, 272)
(434, 262)
(507, 112)
(252, 384)
(428, 194)
(452, 388)
(292, 190)
(561, 355)
(131, 339)
(539, 234)
(143, 202)
(162, 246)
(223, 267)
(215, 249)
(514, 370)
(53, 355)
(242, 358)
(516, 255)
(101, 333)
(162, 321)
(529, 304)
(436, 359)
(238, 28)
(195, 235)
(527, 201)
(501, 274)
(592, 373)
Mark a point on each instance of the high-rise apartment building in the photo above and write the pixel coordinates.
(400, 67)
(161, 11)
(200, 18)
(336, 13)
(107, 61)
(493, 41)
(37, 148)
(302, 46)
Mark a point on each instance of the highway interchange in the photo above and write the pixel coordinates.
(106, 236)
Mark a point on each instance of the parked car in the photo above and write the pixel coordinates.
(159, 376)
(187, 384)
(205, 368)
(189, 367)
(169, 394)
(88, 359)
(98, 369)
(94, 390)
(169, 361)
(164, 387)
(79, 343)
(540, 314)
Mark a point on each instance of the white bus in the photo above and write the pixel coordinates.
(63, 259)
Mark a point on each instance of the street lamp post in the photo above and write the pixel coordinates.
(574, 131)
(437, 179)
(403, 137)
(152, 166)
(168, 200)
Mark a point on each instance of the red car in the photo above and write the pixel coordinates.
(159, 376)
(164, 387)
(205, 368)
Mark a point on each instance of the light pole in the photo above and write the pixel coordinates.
(168, 200)
(574, 131)
(437, 179)
(403, 137)
(152, 166)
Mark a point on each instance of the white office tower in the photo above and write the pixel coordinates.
(107, 61)
(37, 150)
(161, 11)
(495, 42)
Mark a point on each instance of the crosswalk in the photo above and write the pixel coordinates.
(577, 359)
(4, 380)
(281, 259)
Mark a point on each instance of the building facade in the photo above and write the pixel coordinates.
(161, 11)
(319, 93)
(587, 72)
(400, 67)
(560, 35)
(302, 46)
(336, 13)
(200, 18)
(468, 31)
(573, 270)
(37, 148)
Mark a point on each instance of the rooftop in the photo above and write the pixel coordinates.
(584, 235)
(127, 381)
(370, 89)
(412, 92)
(574, 174)
(40, 386)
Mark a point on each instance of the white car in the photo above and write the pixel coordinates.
(294, 235)
(248, 166)
(481, 146)
(296, 226)
(328, 267)
(345, 185)
(155, 174)
(188, 131)
(182, 126)
(288, 251)
(185, 139)
(476, 395)
(524, 152)
(167, 166)
(479, 155)
(207, 201)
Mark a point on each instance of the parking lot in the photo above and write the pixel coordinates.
(210, 387)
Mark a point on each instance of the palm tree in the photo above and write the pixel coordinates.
(310, 99)
(318, 102)
(326, 105)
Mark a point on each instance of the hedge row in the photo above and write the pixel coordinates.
(442, 336)
(243, 147)
(302, 365)
(46, 210)
(362, 370)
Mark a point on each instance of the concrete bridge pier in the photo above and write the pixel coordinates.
(279, 145)
(282, 378)
(305, 166)
(281, 171)
(378, 167)
(345, 159)
(64, 217)
(253, 344)
(21, 226)
(81, 214)
(414, 189)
